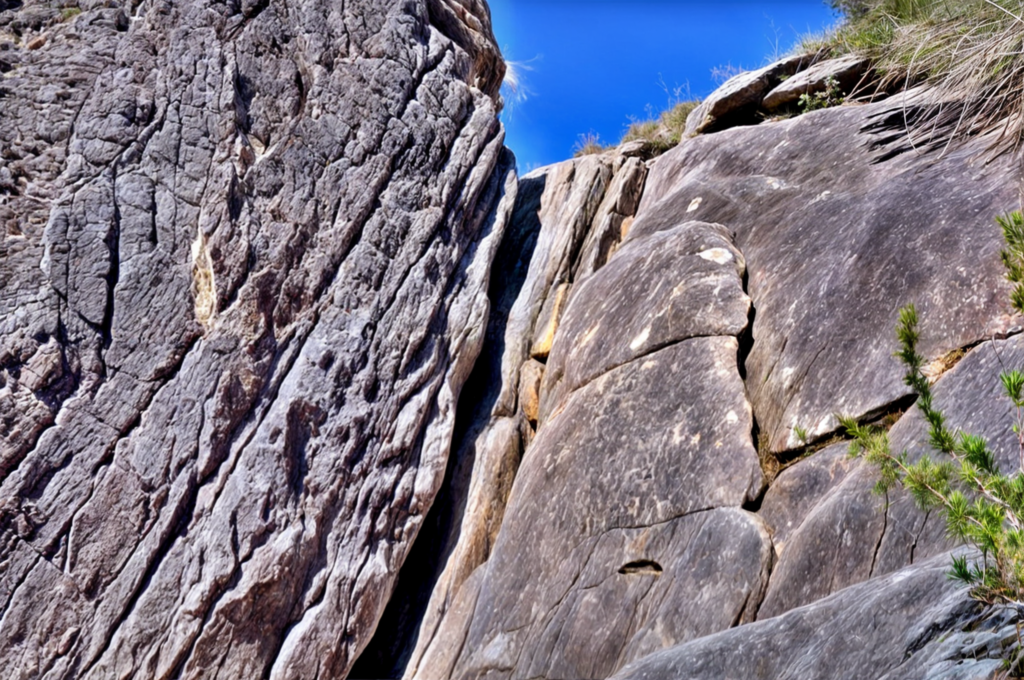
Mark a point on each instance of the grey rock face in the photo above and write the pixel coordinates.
(682, 283)
(568, 221)
(847, 71)
(797, 491)
(250, 256)
(599, 520)
(244, 266)
(835, 246)
(827, 251)
(598, 477)
(893, 627)
(840, 533)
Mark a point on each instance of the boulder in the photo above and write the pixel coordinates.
(847, 71)
(739, 98)
(911, 625)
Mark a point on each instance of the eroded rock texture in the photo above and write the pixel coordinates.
(835, 243)
(568, 221)
(754, 294)
(909, 625)
(243, 278)
(252, 253)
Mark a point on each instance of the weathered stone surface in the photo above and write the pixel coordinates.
(893, 627)
(242, 284)
(531, 375)
(740, 96)
(568, 220)
(677, 284)
(801, 488)
(977, 649)
(835, 546)
(835, 244)
(243, 278)
(831, 531)
(838, 532)
(597, 475)
(848, 72)
(668, 583)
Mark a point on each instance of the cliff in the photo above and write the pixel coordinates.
(299, 380)
(244, 266)
(660, 384)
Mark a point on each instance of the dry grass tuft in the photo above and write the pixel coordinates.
(588, 145)
(971, 53)
(204, 292)
(664, 132)
(770, 464)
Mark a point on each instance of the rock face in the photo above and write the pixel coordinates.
(298, 380)
(835, 248)
(754, 293)
(243, 278)
(894, 627)
(568, 221)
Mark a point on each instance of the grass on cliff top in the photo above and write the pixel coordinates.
(661, 133)
(970, 51)
(664, 132)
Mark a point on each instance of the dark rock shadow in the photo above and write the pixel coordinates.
(392, 645)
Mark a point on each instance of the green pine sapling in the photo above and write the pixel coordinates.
(982, 506)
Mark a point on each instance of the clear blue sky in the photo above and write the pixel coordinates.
(590, 65)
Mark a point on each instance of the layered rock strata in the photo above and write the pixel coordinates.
(251, 254)
(568, 221)
(244, 267)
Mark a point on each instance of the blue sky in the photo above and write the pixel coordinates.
(589, 66)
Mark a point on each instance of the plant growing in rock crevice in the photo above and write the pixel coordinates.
(832, 95)
(982, 506)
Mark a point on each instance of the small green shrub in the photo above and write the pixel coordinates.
(831, 96)
(981, 505)
(69, 13)
(1012, 225)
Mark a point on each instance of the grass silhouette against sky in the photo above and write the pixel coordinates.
(589, 66)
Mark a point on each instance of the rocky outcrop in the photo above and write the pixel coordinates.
(298, 380)
(842, 533)
(738, 100)
(753, 295)
(568, 220)
(910, 625)
(835, 248)
(245, 259)
(847, 73)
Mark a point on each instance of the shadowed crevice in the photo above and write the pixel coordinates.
(399, 628)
